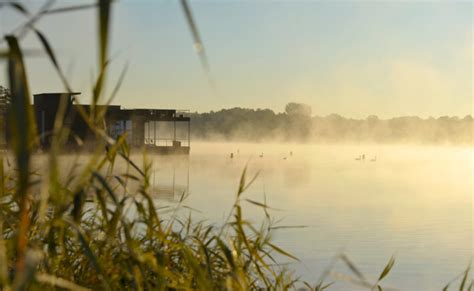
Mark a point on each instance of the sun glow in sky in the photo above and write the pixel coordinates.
(357, 58)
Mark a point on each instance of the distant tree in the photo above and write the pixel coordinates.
(293, 108)
(295, 124)
(372, 118)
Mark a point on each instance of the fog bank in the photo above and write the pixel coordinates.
(264, 125)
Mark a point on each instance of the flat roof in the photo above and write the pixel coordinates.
(59, 93)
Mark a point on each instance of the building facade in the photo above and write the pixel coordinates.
(159, 130)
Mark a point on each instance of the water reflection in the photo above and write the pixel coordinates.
(170, 178)
(414, 201)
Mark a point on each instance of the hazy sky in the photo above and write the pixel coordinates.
(355, 58)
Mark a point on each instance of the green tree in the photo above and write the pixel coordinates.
(293, 108)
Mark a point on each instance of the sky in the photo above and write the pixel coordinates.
(353, 58)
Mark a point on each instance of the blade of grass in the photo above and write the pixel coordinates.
(22, 130)
(387, 269)
(58, 282)
(352, 267)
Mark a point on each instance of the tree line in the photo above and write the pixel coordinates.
(297, 124)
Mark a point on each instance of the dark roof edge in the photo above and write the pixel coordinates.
(59, 93)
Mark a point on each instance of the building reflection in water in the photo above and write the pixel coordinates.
(170, 177)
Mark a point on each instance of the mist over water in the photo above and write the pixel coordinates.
(398, 184)
(414, 202)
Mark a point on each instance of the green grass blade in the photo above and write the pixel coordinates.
(352, 267)
(23, 136)
(283, 252)
(387, 268)
(464, 278)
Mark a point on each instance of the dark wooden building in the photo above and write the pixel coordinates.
(159, 130)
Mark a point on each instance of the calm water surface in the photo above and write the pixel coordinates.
(414, 202)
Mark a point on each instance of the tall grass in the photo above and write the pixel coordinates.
(76, 232)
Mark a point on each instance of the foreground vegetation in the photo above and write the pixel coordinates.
(84, 229)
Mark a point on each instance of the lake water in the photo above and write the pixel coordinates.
(413, 202)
